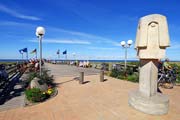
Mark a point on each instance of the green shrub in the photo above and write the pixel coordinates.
(133, 78)
(129, 71)
(45, 78)
(174, 65)
(122, 77)
(35, 95)
(178, 78)
(114, 73)
(125, 75)
(133, 63)
(32, 75)
(120, 74)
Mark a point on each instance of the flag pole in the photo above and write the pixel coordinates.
(36, 54)
(27, 55)
(66, 55)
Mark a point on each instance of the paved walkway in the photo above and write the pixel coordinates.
(66, 70)
(91, 101)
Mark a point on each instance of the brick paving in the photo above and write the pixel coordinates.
(91, 101)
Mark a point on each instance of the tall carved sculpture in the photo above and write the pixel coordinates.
(151, 41)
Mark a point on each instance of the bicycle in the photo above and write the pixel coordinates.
(167, 79)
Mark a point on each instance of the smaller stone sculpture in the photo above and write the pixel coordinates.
(35, 84)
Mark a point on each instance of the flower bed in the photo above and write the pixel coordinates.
(36, 94)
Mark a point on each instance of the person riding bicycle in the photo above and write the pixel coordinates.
(166, 66)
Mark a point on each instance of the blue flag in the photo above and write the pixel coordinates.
(23, 50)
(65, 52)
(20, 51)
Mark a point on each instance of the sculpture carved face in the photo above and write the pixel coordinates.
(152, 37)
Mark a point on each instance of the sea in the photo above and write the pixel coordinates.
(22, 60)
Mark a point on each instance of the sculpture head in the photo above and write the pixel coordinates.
(152, 37)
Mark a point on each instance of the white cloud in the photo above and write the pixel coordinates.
(90, 38)
(101, 48)
(60, 41)
(16, 14)
(13, 23)
(96, 38)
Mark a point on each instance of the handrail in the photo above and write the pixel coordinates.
(12, 71)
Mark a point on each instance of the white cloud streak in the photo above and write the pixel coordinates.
(98, 39)
(16, 14)
(12, 23)
(101, 48)
(59, 41)
(76, 35)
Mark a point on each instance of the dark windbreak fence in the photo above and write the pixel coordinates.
(9, 76)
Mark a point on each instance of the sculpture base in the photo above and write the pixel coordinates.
(155, 105)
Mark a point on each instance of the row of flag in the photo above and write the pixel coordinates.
(58, 52)
(35, 51)
(25, 50)
(64, 53)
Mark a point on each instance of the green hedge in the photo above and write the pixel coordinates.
(128, 75)
(45, 78)
(35, 95)
(177, 67)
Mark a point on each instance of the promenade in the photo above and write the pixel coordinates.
(67, 70)
(93, 100)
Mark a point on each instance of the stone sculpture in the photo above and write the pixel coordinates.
(151, 41)
(35, 84)
(152, 37)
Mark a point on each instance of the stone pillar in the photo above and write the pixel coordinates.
(101, 76)
(81, 78)
(151, 41)
(148, 76)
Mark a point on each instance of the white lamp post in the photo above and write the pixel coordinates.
(40, 31)
(126, 45)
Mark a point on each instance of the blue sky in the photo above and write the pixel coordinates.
(92, 29)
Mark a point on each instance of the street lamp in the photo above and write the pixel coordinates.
(40, 31)
(126, 45)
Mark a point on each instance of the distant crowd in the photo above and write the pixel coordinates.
(77, 63)
(32, 65)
